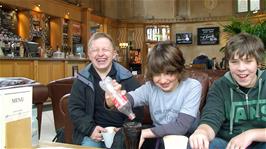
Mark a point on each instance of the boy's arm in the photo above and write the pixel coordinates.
(201, 137)
(178, 127)
(244, 139)
(258, 135)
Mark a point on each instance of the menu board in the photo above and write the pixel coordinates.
(208, 36)
(15, 116)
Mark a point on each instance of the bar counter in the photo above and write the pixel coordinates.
(42, 70)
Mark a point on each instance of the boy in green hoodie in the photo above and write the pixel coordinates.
(234, 116)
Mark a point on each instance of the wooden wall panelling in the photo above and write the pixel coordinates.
(57, 70)
(24, 69)
(138, 36)
(43, 72)
(24, 24)
(69, 65)
(56, 8)
(50, 70)
(122, 38)
(7, 69)
(56, 32)
(85, 28)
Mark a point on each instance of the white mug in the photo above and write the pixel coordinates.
(175, 141)
(108, 136)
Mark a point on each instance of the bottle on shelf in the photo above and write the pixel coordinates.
(120, 102)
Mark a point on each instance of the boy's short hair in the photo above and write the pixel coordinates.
(165, 57)
(244, 44)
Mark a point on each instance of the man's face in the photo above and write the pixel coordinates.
(244, 70)
(167, 82)
(101, 54)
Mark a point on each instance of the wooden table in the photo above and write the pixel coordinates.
(54, 145)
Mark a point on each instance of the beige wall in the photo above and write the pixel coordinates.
(159, 8)
(111, 8)
(162, 9)
(200, 9)
(190, 51)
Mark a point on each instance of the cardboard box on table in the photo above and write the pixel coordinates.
(15, 116)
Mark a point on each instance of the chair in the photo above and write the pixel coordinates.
(199, 66)
(67, 121)
(40, 95)
(57, 89)
(215, 74)
(203, 78)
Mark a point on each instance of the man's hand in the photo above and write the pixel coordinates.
(109, 97)
(96, 134)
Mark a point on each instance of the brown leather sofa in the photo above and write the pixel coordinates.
(39, 95)
(198, 75)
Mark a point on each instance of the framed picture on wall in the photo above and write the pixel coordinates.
(208, 36)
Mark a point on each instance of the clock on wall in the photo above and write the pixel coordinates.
(210, 4)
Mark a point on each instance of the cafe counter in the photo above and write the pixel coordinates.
(42, 70)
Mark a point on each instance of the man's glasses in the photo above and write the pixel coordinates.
(104, 50)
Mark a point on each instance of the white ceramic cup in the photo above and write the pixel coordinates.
(175, 141)
(108, 136)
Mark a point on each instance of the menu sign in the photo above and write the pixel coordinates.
(15, 117)
(208, 36)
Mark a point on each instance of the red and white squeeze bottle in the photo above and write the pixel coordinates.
(120, 101)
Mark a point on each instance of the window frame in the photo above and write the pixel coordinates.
(262, 4)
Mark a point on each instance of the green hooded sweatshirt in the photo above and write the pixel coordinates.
(229, 111)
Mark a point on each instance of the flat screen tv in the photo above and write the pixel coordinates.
(31, 49)
(183, 38)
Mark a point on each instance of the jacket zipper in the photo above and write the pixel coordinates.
(248, 110)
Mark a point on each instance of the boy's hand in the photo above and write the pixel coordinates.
(241, 141)
(198, 140)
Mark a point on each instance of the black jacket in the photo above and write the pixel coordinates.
(202, 59)
(82, 101)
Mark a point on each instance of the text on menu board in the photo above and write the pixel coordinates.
(208, 36)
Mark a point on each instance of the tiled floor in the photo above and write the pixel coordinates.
(47, 130)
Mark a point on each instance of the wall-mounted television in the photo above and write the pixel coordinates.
(183, 38)
(208, 36)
